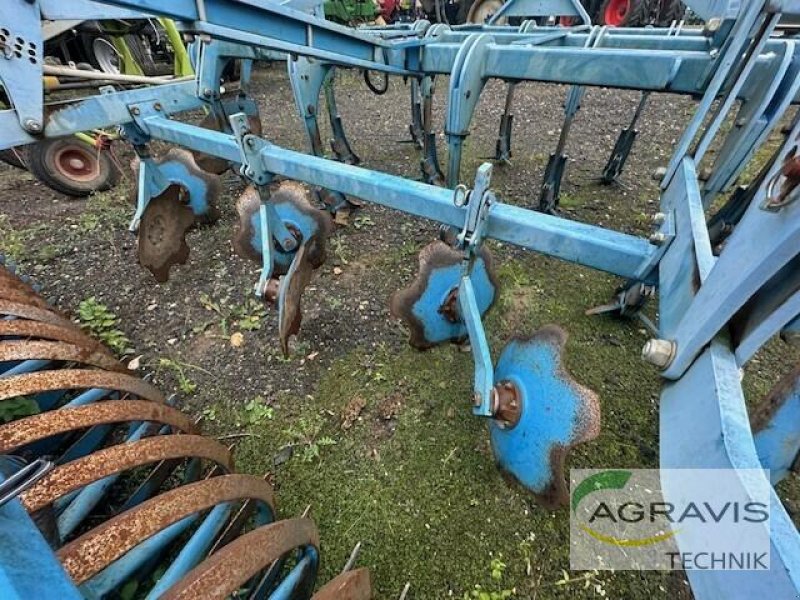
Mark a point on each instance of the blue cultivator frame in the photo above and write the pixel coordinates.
(727, 284)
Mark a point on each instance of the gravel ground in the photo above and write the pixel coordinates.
(402, 466)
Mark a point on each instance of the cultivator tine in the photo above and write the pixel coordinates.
(351, 585)
(502, 151)
(93, 551)
(339, 144)
(541, 413)
(431, 170)
(290, 294)
(429, 305)
(624, 145)
(227, 569)
(416, 128)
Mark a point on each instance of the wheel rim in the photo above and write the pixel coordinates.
(616, 12)
(106, 55)
(483, 11)
(76, 163)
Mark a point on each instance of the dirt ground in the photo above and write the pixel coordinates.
(376, 437)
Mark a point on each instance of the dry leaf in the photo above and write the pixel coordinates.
(237, 339)
(135, 363)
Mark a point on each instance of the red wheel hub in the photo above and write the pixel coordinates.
(616, 12)
(77, 163)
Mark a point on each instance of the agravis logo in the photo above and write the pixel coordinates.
(665, 519)
(610, 480)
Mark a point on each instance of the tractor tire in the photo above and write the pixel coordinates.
(144, 58)
(625, 13)
(71, 167)
(671, 11)
(99, 52)
(481, 10)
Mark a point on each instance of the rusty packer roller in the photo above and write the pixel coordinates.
(107, 487)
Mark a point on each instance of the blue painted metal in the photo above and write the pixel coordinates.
(22, 545)
(777, 436)
(556, 413)
(716, 310)
(194, 550)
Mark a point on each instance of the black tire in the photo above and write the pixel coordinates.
(671, 11)
(88, 43)
(638, 15)
(47, 159)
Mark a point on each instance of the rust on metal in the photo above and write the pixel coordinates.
(34, 313)
(59, 351)
(436, 255)
(449, 310)
(22, 328)
(286, 192)
(54, 422)
(506, 404)
(122, 457)
(22, 296)
(291, 315)
(92, 552)
(64, 379)
(763, 415)
(225, 571)
(162, 232)
(352, 585)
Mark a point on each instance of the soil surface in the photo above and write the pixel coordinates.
(377, 437)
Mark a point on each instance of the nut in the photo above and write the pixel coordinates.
(660, 353)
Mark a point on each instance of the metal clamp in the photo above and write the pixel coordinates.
(24, 479)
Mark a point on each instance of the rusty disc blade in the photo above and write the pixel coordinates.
(65, 379)
(244, 234)
(122, 457)
(439, 263)
(93, 551)
(19, 328)
(162, 233)
(290, 295)
(226, 570)
(293, 205)
(54, 422)
(352, 585)
(59, 351)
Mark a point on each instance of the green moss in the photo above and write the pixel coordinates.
(413, 478)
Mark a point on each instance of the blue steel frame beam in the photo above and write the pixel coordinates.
(584, 244)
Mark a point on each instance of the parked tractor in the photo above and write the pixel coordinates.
(614, 13)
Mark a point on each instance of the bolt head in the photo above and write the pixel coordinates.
(660, 353)
(659, 218)
(32, 125)
(477, 399)
(658, 238)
